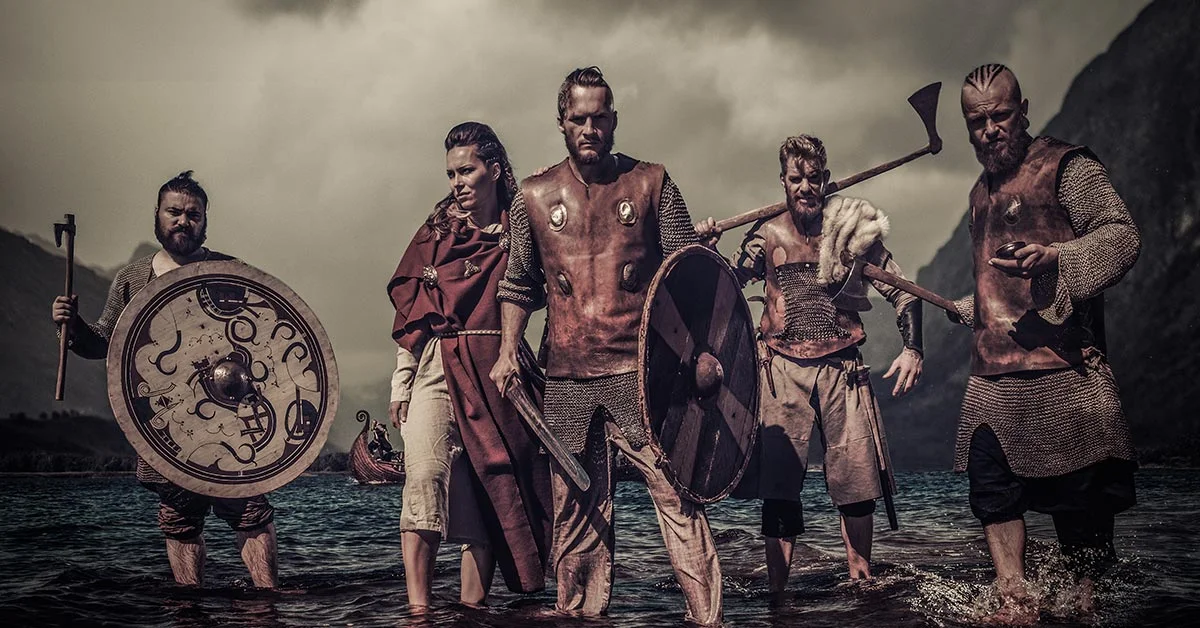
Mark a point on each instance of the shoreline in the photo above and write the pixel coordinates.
(112, 474)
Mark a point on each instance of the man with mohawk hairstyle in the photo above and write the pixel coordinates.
(1041, 426)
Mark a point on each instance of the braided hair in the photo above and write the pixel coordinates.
(447, 216)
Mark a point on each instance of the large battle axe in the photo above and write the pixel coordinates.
(65, 229)
(924, 101)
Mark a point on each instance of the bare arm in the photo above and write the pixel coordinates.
(908, 365)
(513, 320)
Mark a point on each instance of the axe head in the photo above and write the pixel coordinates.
(925, 101)
(64, 227)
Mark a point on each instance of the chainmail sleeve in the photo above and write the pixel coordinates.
(965, 308)
(749, 261)
(523, 281)
(675, 228)
(1107, 242)
(90, 340)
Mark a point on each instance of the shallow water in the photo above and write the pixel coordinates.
(87, 550)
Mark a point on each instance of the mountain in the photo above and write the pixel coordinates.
(1136, 107)
(33, 271)
(28, 343)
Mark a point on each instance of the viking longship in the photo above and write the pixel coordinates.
(372, 460)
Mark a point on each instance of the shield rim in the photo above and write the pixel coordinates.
(116, 389)
(665, 268)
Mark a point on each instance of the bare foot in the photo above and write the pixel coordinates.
(1017, 606)
(1013, 613)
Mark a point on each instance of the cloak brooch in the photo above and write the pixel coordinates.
(429, 275)
(471, 269)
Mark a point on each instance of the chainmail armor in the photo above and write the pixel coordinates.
(570, 405)
(675, 228)
(523, 282)
(810, 313)
(1055, 422)
(1109, 246)
(1048, 422)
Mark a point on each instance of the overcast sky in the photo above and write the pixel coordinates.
(316, 128)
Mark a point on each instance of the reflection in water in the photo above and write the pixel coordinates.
(88, 550)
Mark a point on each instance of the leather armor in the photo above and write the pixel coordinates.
(599, 248)
(1010, 335)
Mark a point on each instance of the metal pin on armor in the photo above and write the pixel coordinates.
(625, 213)
(629, 277)
(564, 284)
(558, 217)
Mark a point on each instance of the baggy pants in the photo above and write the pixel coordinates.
(584, 536)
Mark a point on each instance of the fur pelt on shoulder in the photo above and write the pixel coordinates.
(848, 224)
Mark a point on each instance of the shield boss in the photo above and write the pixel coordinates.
(698, 373)
(222, 379)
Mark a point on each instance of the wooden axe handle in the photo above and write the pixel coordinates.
(923, 101)
(871, 271)
(66, 230)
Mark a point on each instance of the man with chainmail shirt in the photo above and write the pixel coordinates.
(180, 224)
(587, 236)
(1041, 427)
(810, 333)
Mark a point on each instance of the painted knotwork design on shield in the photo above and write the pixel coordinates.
(225, 378)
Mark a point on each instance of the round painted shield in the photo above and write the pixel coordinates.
(698, 373)
(222, 379)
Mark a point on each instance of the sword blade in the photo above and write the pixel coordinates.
(515, 392)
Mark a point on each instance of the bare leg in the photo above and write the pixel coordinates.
(477, 571)
(1006, 543)
(187, 560)
(779, 563)
(857, 534)
(420, 551)
(260, 555)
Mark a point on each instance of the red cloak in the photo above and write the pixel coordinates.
(449, 285)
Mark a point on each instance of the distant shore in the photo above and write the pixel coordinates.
(110, 474)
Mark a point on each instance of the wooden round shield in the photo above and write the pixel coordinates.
(698, 373)
(222, 379)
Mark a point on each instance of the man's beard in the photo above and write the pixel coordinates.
(605, 150)
(180, 246)
(802, 210)
(1002, 158)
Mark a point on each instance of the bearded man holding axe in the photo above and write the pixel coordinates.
(816, 252)
(810, 333)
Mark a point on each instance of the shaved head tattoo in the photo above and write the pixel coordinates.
(982, 77)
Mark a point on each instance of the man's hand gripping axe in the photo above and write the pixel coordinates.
(65, 229)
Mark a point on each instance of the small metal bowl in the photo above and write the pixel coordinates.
(1009, 251)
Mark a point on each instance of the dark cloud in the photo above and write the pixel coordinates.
(934, 35)
(311, 9)
(319, 135)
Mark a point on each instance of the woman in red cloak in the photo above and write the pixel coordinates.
(473, 472)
